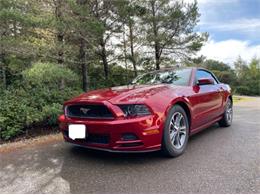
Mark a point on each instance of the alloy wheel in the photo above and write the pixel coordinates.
(178, 130)
(229, 112)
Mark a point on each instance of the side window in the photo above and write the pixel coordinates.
(204, 74)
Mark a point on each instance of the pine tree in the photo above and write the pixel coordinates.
(81, 36)
(170, 29)
(130, 13)
(20, 35)
(106, 12)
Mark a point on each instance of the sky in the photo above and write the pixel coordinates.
(233, 27)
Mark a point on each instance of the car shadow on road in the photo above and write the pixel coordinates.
(84, 153)
(63, 168)
(100, 169)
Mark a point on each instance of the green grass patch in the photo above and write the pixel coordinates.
(237, 99)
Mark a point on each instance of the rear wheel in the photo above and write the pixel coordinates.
(176, 132)
(227, 118)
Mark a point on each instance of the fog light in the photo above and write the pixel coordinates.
(129, 136)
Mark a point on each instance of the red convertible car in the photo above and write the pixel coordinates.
(159, 110)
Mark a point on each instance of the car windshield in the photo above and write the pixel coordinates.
(176, 77)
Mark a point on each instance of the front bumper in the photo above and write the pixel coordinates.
(108, 135)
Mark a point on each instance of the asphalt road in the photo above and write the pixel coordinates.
(217, 160)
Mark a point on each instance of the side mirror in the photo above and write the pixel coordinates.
(205, 81)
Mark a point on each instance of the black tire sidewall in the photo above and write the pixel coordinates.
(167, 146)
(224, 121)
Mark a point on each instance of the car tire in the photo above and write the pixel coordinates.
(227, 118)
(175, 136)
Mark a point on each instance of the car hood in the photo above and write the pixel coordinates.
(121, 94)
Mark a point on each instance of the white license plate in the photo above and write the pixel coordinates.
(77, 131)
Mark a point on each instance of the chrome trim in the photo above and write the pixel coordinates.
(106, 118)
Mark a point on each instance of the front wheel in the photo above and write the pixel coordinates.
(176, 132)
(227, 118)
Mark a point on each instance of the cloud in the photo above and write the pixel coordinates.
(228, 51)
(216, 2)
(243, 24)
(210, 2)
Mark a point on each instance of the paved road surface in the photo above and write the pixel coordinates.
(217, 160)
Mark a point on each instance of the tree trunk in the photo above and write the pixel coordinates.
(60, 51)
(84, 69)
(60, 37)
(4, 77)
(60, 34)
(156, 43)
(3, 67)
(125, 55)
(157, 56)
(104, 58)
(131, 37)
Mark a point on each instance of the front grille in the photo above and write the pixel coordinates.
(89, 111)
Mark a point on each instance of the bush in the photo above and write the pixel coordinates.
(49, 75)
(37, 100)
(14, 112)
(243, 90)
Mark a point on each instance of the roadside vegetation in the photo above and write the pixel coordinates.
(52, 50)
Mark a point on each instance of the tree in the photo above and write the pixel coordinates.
(170, 29)
(240, 67)
(60, 34)
(20, 37)
(216, 65)
(248, 76)
(198, 61)
(60, 29)
(130, 13)
(79, 36)
(106, 12)
(254, 72)
(223, 71)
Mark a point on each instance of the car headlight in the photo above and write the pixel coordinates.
(132, 110)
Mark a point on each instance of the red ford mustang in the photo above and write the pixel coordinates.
(157, 111)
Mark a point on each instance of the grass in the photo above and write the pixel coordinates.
(240, 98)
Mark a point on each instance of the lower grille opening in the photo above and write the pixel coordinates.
(131, 144)
(93, 138)
(96, 138)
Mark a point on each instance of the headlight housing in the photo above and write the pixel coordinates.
(133, 110)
